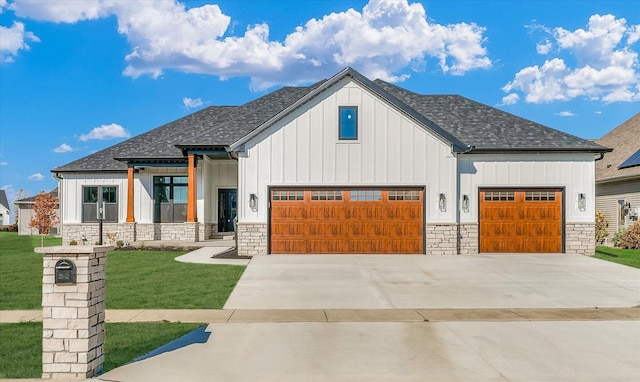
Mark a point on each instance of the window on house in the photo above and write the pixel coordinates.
(96, 197)
(170, 199)
(348, 128)
(288, 195)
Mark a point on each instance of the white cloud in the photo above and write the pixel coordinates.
(598, 112)
(510, 99)
(382, 40)
(190, 103)
(565, 113)
(544, 48)
(62, 11)
(63, 148)
(3, 3)
(105, 132)
(36, 176)
(606, 67)
(4, 163)
(14, 39)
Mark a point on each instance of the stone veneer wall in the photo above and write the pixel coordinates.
(130, 232)
(207, 231)
(580, 238)
(73, 316)
(442, 238)
(253, 239)
(90, 231)
(468, 237)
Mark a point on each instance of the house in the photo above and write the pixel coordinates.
(618, 176)
(346, 165)
(24, 213)
(5, 212)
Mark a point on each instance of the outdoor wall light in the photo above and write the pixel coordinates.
(582, 202)
(465, 203)
(253, 202)
(442, 203)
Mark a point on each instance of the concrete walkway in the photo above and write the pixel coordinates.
(232, 316)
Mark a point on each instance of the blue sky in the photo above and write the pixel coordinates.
(79, 76)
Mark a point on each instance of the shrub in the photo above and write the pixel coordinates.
(73, 242)
(631, 238)
(119, 243)
(618, 236)
(601, 227)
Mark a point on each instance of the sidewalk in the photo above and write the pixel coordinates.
(219, 316)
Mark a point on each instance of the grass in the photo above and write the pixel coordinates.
(135, 279)
(630, 257)
(21, 344)
(154, 280)
(21, 270)
(21, 350)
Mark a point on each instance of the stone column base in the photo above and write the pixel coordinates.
(252, 239)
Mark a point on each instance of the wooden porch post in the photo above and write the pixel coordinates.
(191, 191)
(130, 217)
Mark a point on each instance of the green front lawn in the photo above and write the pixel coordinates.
(135, 279)
(630, 257)
(21, 345)
(21, 271)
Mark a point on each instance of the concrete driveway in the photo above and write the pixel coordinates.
(398, 281)
(499, 348)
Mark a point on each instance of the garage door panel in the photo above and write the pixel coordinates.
(347, 221)
(521, 221)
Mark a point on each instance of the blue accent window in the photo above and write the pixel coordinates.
(348, 128)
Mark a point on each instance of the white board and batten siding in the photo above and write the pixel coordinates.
(211, 176)
(70, 193)
(575, 173)
(303, 149)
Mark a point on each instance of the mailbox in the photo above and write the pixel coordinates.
(65, 272)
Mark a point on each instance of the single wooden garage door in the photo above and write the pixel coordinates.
(349, 221)
(521, 221)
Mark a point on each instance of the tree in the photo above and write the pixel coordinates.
(45, 215)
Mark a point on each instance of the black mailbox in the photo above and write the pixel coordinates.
(65, 272)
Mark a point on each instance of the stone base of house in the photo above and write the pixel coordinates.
(442, 239)
(468, 239)
(253, 239)
(580, 238)
(88, 233)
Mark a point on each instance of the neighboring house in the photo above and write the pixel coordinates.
(5, 212)
(346, 165)
(24, 213)
(618, 176)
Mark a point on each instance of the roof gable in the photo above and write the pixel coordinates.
(456, 143)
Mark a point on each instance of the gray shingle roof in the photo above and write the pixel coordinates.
(460, 120)
(624, 141)
(32, 199)
(3, 199)
(487, 128)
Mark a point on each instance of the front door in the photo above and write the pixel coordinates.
(227, 209)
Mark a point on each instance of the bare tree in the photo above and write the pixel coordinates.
(45, 215)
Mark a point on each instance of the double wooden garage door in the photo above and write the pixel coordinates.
(349, 221)
(521, 221)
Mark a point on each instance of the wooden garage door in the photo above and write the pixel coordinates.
(521, 221)
(348, 221)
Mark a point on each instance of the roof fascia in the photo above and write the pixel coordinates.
(551, 150)
(457, 145)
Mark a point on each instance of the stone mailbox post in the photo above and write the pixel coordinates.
(73, 311)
